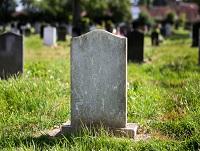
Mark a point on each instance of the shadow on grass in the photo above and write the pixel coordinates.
(39, 143)
(45, 141)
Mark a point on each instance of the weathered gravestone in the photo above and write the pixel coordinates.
(61, 33)
(50, 36)
(136, 46)
(98, 83)
(155, 38)
(195, 34)
(11, 55)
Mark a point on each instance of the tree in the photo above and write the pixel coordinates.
(7, 7)
(115, 10)
(120, 10)
(194, 1)
(48, 10)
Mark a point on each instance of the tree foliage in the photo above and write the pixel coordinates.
(7, 7)
(194, 1)
(115, 10)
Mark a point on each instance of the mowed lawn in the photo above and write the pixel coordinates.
(163, 97)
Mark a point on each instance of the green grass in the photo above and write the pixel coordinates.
(163, 97)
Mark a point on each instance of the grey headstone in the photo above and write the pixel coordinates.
(98, 80)
(11, 55)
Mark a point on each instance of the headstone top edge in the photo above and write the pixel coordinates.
(99, 31)
(10, 33)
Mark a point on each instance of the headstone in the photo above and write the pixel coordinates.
(168, 28)
(155, 38)
(195, 34)
(25, 31)
(98, 82)
(11, 55)
(42, 30)
(199, 47)
(50, 36)
(61, 33)
(163, 31)
(37, 27)
(136, 46)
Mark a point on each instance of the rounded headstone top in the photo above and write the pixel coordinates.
(10, 33)
(98, 32)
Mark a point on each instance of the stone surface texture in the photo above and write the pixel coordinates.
(98, 86)
(11, 54)
(50, 36)
(98, 80)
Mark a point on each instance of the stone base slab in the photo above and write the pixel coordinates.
(129, 131)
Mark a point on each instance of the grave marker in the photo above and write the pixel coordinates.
(11, 55)
(98, 83)
(195, 34)
(199, 47)
(50, 36)
(136, 46)
(155, 38)
(61, 33)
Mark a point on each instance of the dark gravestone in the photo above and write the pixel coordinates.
(155, 38)
(136, 46)
(42, 31)
(26, 32)
(61, 33)
(195, 34)
(11, 55)
(199, 47)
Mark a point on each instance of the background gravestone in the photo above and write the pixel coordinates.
(195, 34)
(155, 38)
(136, 46)
(98, 72)
(199, 47)
(42, 30)
(61, 33)
(11, 55)
(50, 36)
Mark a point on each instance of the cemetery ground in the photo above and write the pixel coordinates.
(163, 97)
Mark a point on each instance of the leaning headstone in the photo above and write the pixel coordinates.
(136, 46)
(98, 83)
(195, 34)
(155, 38)
(11, 55)
(61, 33)
(50, 36)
